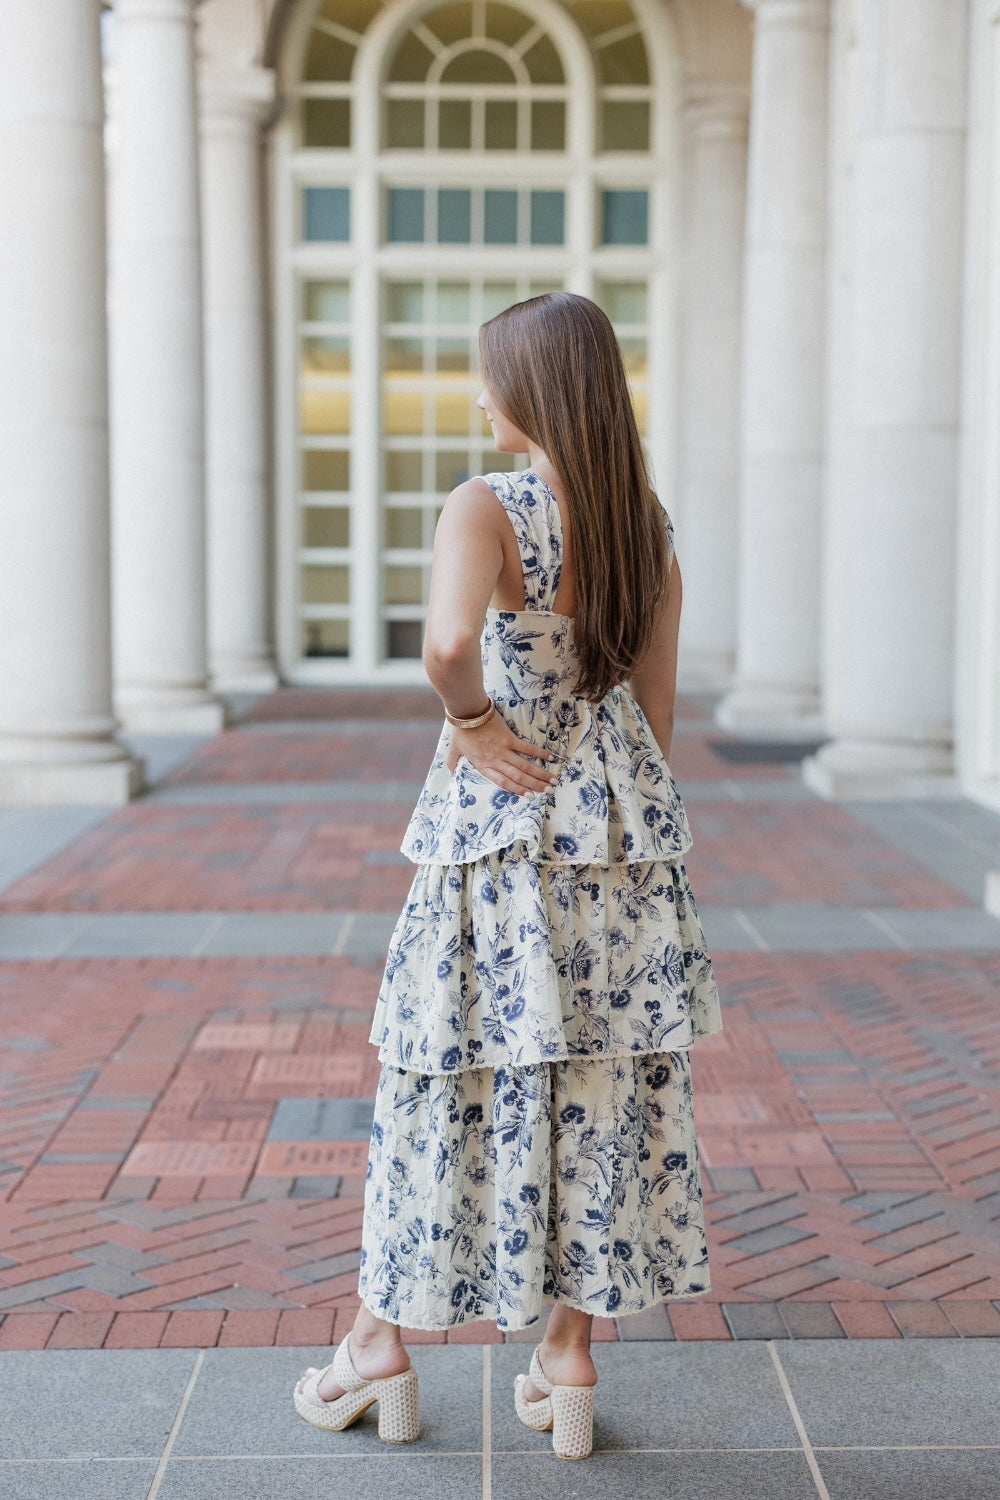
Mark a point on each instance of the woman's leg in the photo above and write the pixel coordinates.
(376, 1350)
(564, 1352)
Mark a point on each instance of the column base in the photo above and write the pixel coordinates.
(80, 783)
(243, 674)
(881, 770)
(773, 713)
(169, 711)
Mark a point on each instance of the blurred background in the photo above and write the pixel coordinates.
(248, 243)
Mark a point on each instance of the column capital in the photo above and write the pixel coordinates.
(716, 110)
(238, 96)
(813, 14)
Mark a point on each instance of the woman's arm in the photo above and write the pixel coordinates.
(654, 682)
(468, 558)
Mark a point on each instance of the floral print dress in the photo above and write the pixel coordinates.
(533, 1136)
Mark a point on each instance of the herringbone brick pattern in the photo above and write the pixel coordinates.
(154, 1192)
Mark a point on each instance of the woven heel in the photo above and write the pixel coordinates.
(399, 1408)
(573, 1420)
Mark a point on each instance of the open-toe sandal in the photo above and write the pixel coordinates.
(567, 1409)
(396, 1396)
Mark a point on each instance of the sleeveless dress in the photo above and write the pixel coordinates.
(533, 1136)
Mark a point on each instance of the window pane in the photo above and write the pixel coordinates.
(597, 17)
(326, 585)
(405, 354)
(326, 122)
(405, 301)
(455, 125)
(542, 62)
(406, 215)
(404, 585)
(326, 526)
(497, 295)
(454, 216)
(404, 528)
(403, 410)
(326, 637)
(548, 125)
(450, 469)
(454, 354)
(634, 354)
(477, 67)
(404, 640)
(624, 301)
(501, 125)
(354, 14)
(453, 302)
(326, 411)
(327, 213)
(405, 123)
(326, 469)
(450, 23)
(500, 220)
(625, 217)
(326, 356)
(625, 125)
(504, 24)
(405, 471)
(451, 406)
(329, 60)
(624, 61)
(328, 301)
(411, 61)
(547, 218)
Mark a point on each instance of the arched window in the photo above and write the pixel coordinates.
(437, 163)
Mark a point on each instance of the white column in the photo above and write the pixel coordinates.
(776, 687)
(237, 411)
(56, 726)
(715, 119)
(156, 367)
(891, 533)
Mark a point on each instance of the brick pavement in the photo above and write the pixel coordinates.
(182, 1143)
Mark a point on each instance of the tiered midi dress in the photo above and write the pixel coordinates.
(533, 1136)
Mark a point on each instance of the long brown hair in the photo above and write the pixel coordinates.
(553, 366)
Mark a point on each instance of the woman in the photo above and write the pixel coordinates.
(533, 1137)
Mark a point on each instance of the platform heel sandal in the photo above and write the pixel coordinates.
(397, 1397)
(572, 1420)
(567, 1409)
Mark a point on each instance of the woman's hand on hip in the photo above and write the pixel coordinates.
(499, 755)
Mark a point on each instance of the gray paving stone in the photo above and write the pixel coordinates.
(658, 1476)
(241, 934)
(755, 1320)
(31, 835)
(956, 841)
(771, 1238)
(322, 1120)
(811, 1320)
(407, 1475)
(90, 1404)
(925, 1392)
(314, 1187)
(654, 1396)
(912, 1475)
(242, 1404)
(654, 1323)
(797, 926)
(33, 1291)
(962, 929)
(139, 934)
(162, 753)
(29, 935)
(117, 1479)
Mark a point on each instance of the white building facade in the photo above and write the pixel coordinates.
(231, 405)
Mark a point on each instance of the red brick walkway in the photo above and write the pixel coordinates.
(849, 1113)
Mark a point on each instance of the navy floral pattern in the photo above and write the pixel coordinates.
(533, 1134)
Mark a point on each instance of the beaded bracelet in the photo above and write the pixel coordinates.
(477, 722)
